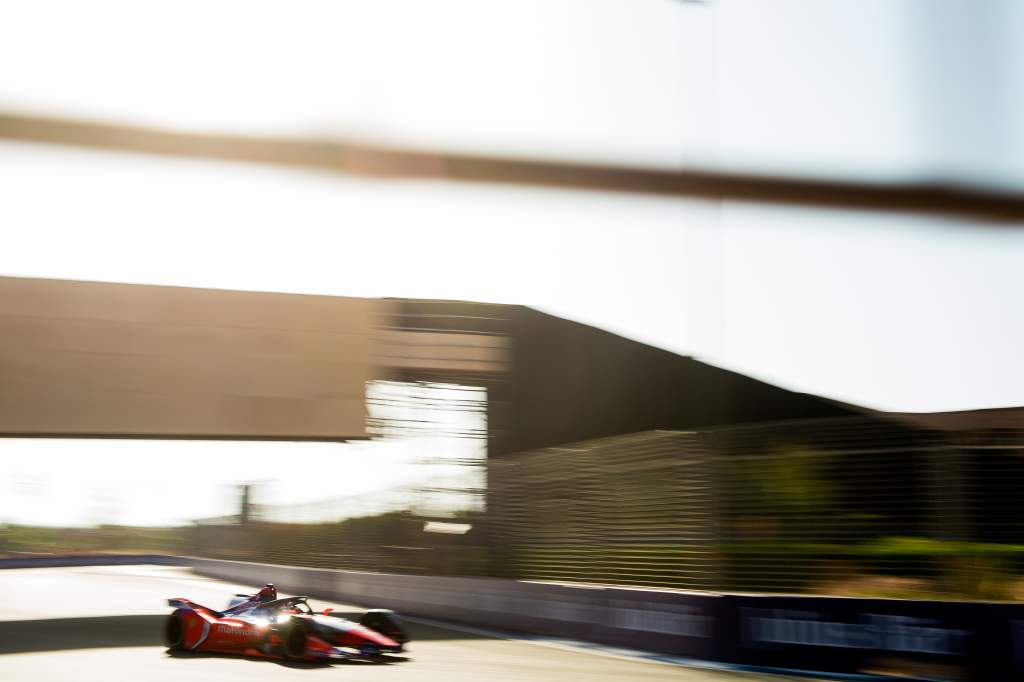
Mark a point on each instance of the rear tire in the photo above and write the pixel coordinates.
(174, 632)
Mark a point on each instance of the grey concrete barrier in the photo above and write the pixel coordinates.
(670, 622)
(822, 636)
(93, 560)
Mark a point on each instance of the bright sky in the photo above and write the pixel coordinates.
(84, 482)
(889, 311)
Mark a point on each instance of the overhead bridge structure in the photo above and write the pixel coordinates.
(105, 360)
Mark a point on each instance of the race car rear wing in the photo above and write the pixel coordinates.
(182, 603)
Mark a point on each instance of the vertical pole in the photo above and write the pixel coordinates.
(245, 503)
(948, 520)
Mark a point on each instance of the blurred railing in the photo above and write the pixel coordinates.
(840, 506)
(381, 163)
(861, 506)
(635, 509)
(857, 506)
(402, 529)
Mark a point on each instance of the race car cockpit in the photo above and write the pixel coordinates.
(288, 605)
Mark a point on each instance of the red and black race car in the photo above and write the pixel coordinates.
(263, 625)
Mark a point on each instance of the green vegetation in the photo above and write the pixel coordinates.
(42, 540)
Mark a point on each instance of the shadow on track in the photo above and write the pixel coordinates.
(59, 634)
(298, 665)
(56, 634)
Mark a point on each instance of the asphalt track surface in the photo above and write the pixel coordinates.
(104, 623)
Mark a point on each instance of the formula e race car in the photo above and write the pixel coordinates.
(263, 625)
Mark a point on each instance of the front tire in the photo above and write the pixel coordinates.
(293, 640)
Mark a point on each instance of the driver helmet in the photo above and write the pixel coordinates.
(268, 593)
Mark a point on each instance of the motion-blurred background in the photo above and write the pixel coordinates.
(711, 295)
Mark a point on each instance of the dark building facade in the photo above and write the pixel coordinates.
(564, 381)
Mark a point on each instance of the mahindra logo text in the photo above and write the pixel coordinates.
(233, 630)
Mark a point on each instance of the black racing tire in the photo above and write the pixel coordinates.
(174, 632)
(387, 623)
(266, 646)
(293, 640)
